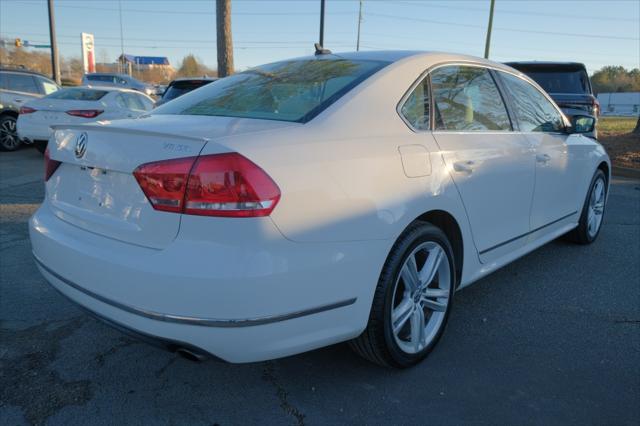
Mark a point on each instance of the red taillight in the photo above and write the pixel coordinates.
(26, 110)
(85, 113)
(226, 185)
(50, 166)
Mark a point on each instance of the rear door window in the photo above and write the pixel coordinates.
(534, 112)
(19, 83)
(47, 86)
(466, 98)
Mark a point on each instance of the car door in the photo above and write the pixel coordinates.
(492, 166)
(555, 197)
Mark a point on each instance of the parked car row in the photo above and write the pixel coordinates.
(31, 103)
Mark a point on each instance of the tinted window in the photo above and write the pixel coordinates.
(179, 88)
(288, 91)
(19, 83)
(466, 98)
(137, 102)
(560, 81)
(103, 78)
(146, 102)
(47, 86)
(416, 108)
(533, 110)
(78, 94)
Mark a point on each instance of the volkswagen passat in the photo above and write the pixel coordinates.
(313, 201)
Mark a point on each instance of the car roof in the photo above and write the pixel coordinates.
(105, 88)
(107, 73)
(23, 71)
(393, 56)
(194, 79)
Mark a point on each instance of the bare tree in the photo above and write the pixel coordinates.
(225, 43)
(637, 129)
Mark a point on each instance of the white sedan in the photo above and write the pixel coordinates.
(78, 105)
(313, 201)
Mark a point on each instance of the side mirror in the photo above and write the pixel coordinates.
(582, 124)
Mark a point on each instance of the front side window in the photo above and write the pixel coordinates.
(416, 108)
(534, 112)
(467, 99)
(295, 90)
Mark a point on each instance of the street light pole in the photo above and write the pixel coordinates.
(55, 61)
(359, 22)
(321, 23)
(488, 43)
(121, 61)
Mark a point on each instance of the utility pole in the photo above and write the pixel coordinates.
(359, 22)
(488, 43)
(55, 61)
(121, 61)
(224, 40)
(321, 23)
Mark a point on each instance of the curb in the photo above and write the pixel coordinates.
(625, 172)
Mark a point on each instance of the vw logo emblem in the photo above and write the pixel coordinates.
(81, 145)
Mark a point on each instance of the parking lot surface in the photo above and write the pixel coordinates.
(553, 338)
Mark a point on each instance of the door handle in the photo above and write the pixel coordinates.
(18, 101)
(543, 158)
(463, 166)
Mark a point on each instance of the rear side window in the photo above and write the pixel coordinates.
(19, 83)
(295, 90)
(78, 94)
(467, 99)
(416, 108)
(47, 86)
(534, 112)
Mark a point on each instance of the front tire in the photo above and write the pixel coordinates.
(412, 300)
(592, 211)
(9, 140)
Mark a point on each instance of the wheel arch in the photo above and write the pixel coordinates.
(449, 225)
(605, 169)
(9, 112)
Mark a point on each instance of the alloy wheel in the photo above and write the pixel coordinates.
(421, 296)
(596, 207)
(8, 134)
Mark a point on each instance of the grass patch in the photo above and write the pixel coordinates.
(623, 147)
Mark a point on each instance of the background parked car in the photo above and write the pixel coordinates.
(17, 87)
(117, 80)
(181, 86)
(78, 105)
(567, 83)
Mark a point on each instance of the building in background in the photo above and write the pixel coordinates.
(620, 103)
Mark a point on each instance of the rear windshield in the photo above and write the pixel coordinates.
(78, 94)
(295, 90)
(179, 88)
(560, 81)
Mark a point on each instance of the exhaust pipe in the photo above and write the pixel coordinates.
(190, 354)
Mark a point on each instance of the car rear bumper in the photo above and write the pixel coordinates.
(304, 296)
(33, 130)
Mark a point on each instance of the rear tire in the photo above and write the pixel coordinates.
(592, 211)
(9, 140)
(412, 300)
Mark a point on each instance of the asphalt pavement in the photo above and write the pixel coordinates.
(553, 338)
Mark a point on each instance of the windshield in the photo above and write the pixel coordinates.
(295, 90)
(78, 94)
(179, 88)
(568, 81)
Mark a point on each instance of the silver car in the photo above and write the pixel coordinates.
(18, 86)
(122, 81)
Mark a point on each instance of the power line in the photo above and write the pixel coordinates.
(432, 21)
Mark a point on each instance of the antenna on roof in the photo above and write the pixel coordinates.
(321, 50)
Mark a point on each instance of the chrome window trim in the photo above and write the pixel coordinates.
(206, 322)
(490, 67)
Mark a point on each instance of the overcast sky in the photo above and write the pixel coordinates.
(597, 33)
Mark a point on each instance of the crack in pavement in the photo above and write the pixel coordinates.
(268, 374)
(124, 342)
(26, 377)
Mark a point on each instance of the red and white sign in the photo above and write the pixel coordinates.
(88, 53)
